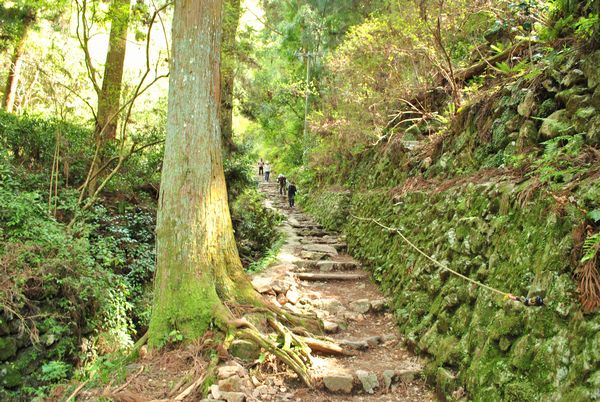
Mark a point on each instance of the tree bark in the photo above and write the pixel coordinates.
(228, 58)
(198, 265)
(109, 98)
(14, 72)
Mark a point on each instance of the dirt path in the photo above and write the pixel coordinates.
(353, 309)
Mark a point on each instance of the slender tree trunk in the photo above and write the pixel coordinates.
(14, 72)
(109, 99)
(198, 265)
(228, 58)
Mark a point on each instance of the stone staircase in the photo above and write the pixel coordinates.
(314, 275)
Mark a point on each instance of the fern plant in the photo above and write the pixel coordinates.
(591, 245)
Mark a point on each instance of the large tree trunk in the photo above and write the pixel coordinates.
(198, 265)
(109, 98)
(14, 72)
(228, 58)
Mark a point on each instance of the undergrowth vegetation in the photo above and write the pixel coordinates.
(72, 296)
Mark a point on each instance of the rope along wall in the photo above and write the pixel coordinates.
(537, 301)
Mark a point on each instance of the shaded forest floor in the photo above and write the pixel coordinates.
(312, 274)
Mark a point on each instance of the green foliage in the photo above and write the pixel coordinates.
(594, 215)
(509, 69)
(175, 336)
(591, 247)
(18, 15)
(269, 257)
(32, 140)
(54, 371)
(587, 27)
(80, 283)
(239, 172)
(558, 164)
(254, 226)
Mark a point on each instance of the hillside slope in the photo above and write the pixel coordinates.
(505, 194)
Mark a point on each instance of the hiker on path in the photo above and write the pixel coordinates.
(260, 167)
(281, 179)
(267, 171)
(291, 193)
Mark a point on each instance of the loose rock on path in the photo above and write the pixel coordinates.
(312, 274)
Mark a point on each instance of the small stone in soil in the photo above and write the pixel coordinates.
(368, 380)
(233, 396)
(388, 378)
(379, 305)
(330, 327)
(260, 391)
(244, 350)
(339, 382)
(232, 368)
(293, 296)
(281, 286)
(281, 299)
(373, 340)
(408, 375)
(231, 384)
(292, 308)
(361, 306)
(215, 391)
(359, 345)
(331, 305)
(262, 284)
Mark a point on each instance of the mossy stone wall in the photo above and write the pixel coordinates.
(495, 349)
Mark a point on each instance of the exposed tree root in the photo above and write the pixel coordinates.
(325, 347)
(191, 388)
(180, 384)
(122, 387)
(74, 394)
(289, 357)
(589, 285)
(303, 350)
(294, 350)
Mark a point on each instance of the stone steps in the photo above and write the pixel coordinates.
(320, 240)
(317, 259)
(320, 248)
(317, 276)
(346, 382)
(327, 266)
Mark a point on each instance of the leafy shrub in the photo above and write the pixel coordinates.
(55, 371)
(32, 140)
(239, 175)
(254, 226)
(54, 291)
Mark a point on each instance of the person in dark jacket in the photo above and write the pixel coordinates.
(282, 182)
(261, 164)
(291, 193)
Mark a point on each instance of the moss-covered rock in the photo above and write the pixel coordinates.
(591, 69)
(244, 350)
(8, 348)
(10, 376)
(558, 123)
